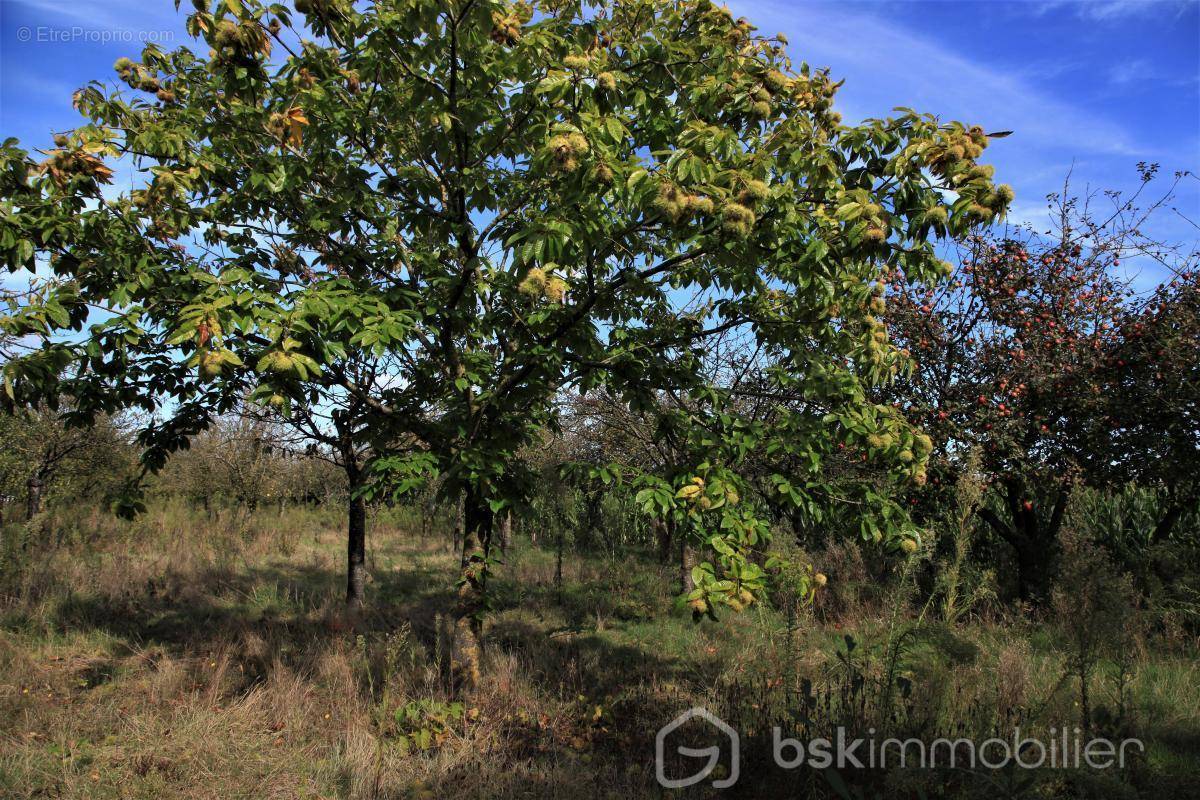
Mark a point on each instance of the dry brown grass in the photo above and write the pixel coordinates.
(169, 664)
(191, 658)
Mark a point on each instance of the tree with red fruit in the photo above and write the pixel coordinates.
(1008, 356)
(1151, 380)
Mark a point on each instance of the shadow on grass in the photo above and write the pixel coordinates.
(579, 664)
(298, 608)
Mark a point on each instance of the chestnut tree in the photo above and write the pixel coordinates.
(508, 201)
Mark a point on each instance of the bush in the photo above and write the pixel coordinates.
(1095, 606)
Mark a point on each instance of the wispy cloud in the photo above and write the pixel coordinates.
(933, 77)
(1139, 71)
(1112, 10)
(1047, 69)
(108, 15)
(1131, 72)
(34, 84)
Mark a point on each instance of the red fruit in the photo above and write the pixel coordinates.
(1027, 505)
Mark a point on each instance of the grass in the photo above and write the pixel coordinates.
(187, 656)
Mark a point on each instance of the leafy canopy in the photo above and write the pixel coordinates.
(505, 201)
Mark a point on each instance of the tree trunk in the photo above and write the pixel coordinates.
(558, 548)
(1035, 544)
(1162, 531)
(471, 597)
(662, 530)
(34, 488)
(506, 527)
(591, 526)
(428, 510)
(356, 540)
(687, 560)
(1036, 566)
(456, 533)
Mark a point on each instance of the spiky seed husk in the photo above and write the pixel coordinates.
(534, 282)
(776, 81)
(556, 289)
(753, 192)
(737, 220)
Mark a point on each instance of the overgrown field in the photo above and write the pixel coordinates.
(190, 656)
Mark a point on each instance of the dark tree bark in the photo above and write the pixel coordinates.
(687, 560)
(471, 598)
(456, 533)
(1035, 542)
(591, 520)
(558, 559)
(505, 532)
(662, 530)
(34, 499)
(356, 537)
(1168, 521)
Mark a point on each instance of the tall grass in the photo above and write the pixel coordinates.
(193, 654)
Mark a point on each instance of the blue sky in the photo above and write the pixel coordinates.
(1092, 86)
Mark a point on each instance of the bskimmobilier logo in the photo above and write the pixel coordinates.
(1056, 747)
(713, 754)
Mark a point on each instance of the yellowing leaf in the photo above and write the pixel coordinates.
(296, 120)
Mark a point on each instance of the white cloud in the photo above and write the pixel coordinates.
(1112, 10)
(889, 64)
(1139, 71)
(107, 14)
(1130, 72)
